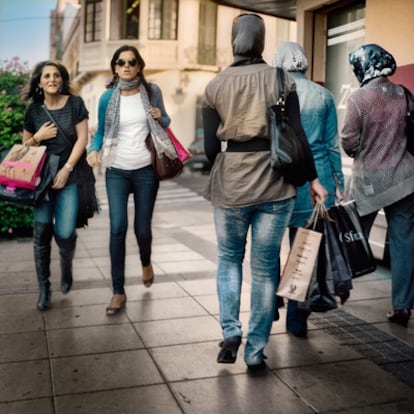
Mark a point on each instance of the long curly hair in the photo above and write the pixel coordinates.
(141, 63)
(32, 91)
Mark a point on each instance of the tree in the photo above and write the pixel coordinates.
(13, 76)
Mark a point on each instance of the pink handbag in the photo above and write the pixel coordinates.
(182, 152)
(22, 166)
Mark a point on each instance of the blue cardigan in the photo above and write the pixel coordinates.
(97, 140)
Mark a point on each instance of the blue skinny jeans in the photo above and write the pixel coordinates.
(59, 208)
(143, 184)
(267, 223)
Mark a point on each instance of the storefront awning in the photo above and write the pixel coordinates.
(285, 9)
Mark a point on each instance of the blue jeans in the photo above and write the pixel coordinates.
(400, 220)
(143, 184)
(267, 222)
(60, 208)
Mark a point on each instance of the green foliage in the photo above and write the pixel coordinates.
(14, 217)
(13, 76)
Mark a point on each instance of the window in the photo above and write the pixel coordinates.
(207, 33)
(124, 19)
(162, 23)
(93, 21)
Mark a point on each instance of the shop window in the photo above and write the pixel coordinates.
(207, 33)
(162, 22)
(125, 15)
(93, 21)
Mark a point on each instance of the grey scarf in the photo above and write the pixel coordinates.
(162, 141)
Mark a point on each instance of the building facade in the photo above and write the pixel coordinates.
(184, 43)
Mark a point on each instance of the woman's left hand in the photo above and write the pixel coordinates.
(61, 178)
(155, 112)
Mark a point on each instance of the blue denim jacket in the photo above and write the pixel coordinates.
(157, 101)
(319, 120)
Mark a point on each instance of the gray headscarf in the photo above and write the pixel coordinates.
(371, 61)
(247, 39)
(291, 57)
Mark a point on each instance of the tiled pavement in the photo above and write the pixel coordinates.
(159, 355)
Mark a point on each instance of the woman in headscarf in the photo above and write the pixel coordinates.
(383, 170)
(247, 194)
(319, 121)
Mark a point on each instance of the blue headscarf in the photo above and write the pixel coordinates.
(371, 61)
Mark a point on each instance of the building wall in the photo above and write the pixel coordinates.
(171, 64)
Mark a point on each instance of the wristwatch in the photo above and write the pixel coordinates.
(69, 167)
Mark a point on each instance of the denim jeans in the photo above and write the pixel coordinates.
(400, 220)
(267, 223)
(60, 208)
(143, 184)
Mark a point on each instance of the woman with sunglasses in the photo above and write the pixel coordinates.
(123, 126)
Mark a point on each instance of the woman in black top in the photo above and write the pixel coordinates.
(49, 90)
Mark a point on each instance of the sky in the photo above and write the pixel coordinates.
(25, 29)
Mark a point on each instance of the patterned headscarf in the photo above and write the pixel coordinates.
(371, 61)
(291, 57)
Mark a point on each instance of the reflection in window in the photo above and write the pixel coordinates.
(207, 33)
(162, 24)
(93, 20)
(124, 22)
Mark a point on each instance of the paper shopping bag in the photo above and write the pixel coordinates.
(300, 264)
(22, 166)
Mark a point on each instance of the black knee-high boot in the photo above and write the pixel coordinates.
(42, 237)
(66, 251)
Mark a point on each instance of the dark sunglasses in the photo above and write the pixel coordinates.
(131, 62)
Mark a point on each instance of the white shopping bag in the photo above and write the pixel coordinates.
(297, 273)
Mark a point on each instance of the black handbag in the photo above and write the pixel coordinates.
(286, 148)
(352, 239)
(27, 197)
(409, 126)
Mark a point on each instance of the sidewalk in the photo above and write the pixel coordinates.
(159, 356)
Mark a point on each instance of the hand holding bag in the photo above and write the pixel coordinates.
(287, 154)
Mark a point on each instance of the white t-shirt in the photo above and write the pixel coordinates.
(133, 129)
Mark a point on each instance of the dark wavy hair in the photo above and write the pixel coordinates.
(141, 63)
(32, 91)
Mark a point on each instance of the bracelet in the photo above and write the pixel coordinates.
(35, 140)
(69, 167)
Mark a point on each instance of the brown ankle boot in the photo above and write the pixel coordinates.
(147, 275)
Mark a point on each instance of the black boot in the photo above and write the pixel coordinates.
(42, 237)
(66, 251)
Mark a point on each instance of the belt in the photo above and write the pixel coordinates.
(252, 145)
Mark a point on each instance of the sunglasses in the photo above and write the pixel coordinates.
(131, 62)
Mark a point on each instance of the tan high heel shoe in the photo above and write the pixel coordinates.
(118, 302)
(147, 275)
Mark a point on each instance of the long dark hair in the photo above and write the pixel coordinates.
(141, 63)
(32, 90)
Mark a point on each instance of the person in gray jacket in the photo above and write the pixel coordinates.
(319, 120)
(247, 194)
(383, 170)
